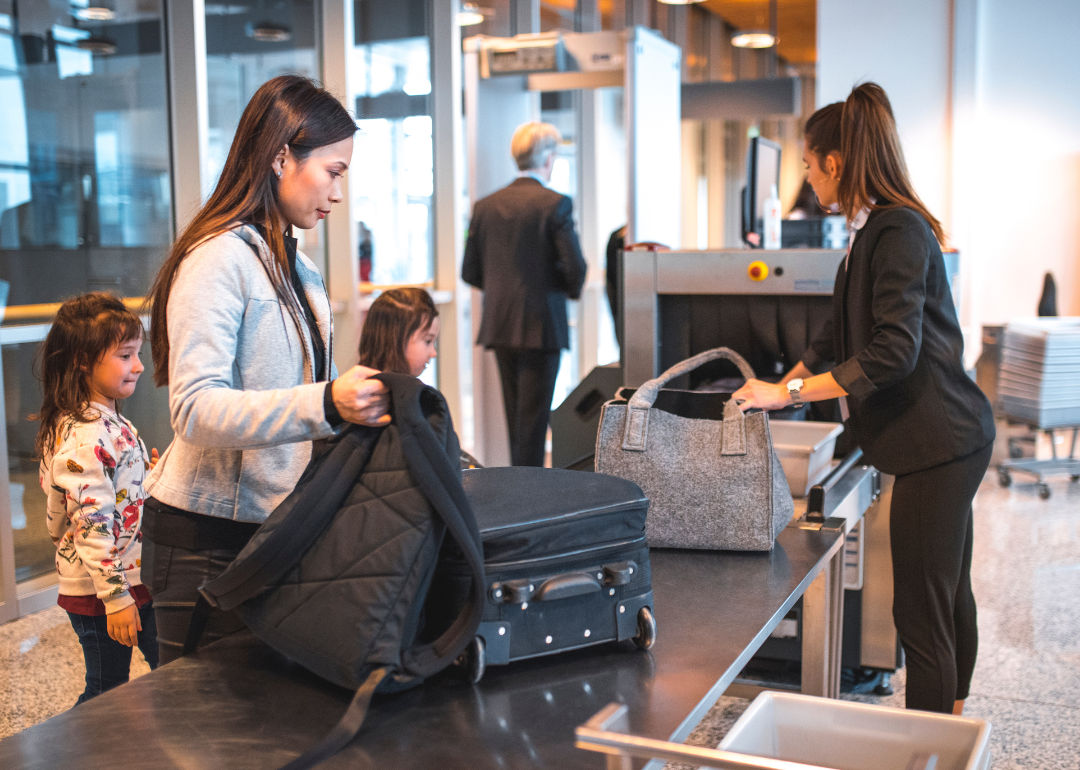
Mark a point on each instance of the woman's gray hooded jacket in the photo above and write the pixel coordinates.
(244, 403)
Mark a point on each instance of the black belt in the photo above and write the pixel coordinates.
(166, 525)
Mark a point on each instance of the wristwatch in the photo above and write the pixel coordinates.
(794, 388)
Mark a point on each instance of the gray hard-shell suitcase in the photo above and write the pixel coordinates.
(566, 561)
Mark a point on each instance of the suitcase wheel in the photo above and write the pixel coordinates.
(473, 660)
(646, 629)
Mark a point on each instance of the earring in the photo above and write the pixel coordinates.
(279, 175)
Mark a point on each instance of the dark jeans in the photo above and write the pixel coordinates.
(930, 526)
(181, 551)
(108, 663)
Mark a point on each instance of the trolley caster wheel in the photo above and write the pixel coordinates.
(646, 629)
(1075, 477)
(1044, 491)
(1015, 452)
(1004, 479)
(473, 660)
(885, 687)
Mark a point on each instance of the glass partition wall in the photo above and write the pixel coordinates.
(84, 205)
(85, 198)
(247, 43)
(394, 155)
(393, 162)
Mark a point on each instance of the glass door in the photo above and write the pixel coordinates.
(392, 190)
(85, 205)
(246, 45)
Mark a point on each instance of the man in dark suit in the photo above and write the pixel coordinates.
(523, 253)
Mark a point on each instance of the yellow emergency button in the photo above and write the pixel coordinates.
(758, 270)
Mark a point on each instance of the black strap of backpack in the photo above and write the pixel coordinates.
(346, 728)
(440, 481)
(199, 617)
(276, 553)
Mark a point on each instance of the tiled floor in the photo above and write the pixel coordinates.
(1027, 680)
(41, 669)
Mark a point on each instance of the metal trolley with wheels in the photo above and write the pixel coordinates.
(1041, 469)
(1036, 386)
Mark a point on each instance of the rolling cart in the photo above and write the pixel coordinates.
(1040, 362)
(1041, 469)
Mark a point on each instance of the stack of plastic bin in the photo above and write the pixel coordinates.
(1040, 366)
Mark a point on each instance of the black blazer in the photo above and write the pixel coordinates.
(896, 337)
(523, 253)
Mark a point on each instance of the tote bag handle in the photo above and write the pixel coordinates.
(636, 429)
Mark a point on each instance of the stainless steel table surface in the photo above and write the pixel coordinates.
(237, 704)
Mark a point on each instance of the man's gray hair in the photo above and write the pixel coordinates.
(533, 143)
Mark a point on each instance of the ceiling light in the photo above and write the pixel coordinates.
(469, 15)
(754, 39)
(268, 32)
(95, 13)
(680, 2)
(225, 9)
(97, 44)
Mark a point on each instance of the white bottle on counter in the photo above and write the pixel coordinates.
(771, 220)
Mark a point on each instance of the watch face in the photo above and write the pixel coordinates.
(793, 387)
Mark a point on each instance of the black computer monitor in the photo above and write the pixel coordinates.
(762, 172)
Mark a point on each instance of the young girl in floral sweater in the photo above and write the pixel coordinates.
(92, 469)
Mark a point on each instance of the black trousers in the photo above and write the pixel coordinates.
(930, 527)
(181, 551)
(528, 384)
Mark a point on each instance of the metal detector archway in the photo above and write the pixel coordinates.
(627, 169)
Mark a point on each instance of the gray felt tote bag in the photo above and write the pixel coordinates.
(709, 471)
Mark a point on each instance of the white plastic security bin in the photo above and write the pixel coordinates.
(857, 736)
(805, 450)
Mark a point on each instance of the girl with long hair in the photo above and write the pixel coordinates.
(242, 334)
(893, 355)
(400, 331)
(92, 468)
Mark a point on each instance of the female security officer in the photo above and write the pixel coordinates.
(906, 399)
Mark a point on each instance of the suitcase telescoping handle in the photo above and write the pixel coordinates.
(563, 586)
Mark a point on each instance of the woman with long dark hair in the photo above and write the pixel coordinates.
(893, 354)
(241, 332)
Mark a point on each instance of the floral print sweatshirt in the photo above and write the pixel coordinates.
(93, 483)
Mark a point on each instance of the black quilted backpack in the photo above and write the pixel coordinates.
(337, 576)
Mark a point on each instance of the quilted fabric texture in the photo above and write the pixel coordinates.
(351, 582)
(337, 576)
